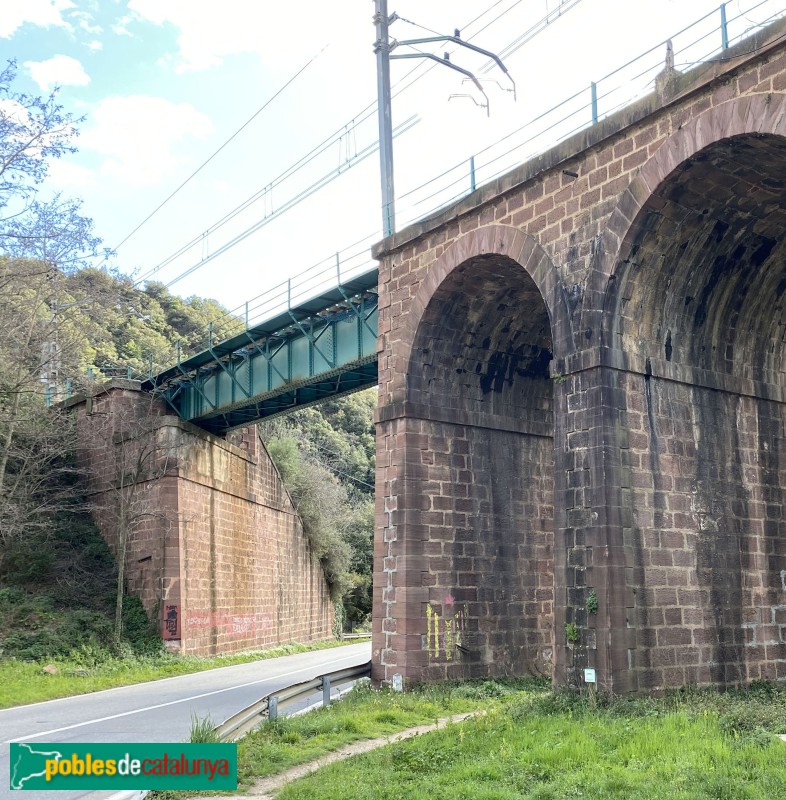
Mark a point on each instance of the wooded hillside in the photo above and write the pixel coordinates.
(65, 323)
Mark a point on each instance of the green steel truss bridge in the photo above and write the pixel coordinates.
(297, 355)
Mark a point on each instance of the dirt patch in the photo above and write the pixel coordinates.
(265, 788)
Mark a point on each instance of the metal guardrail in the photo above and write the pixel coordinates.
(271, 705)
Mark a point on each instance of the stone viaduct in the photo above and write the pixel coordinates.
(581, 454)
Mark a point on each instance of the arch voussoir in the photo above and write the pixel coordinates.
(750, 114)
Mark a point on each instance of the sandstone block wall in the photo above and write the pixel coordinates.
(216, 550)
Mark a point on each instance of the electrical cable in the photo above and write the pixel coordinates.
(365, 114)
(208, 160)
(296, 200)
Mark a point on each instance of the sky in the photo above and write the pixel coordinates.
(267, 112)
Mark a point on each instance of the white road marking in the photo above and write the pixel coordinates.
(170, 703)
(157, 681)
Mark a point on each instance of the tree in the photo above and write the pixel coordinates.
(40, 241)
(33, 131)
(127, 452)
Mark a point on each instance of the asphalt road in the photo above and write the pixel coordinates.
(159, 711)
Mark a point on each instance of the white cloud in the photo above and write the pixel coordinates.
(95, 46)
(86, 22)
(43, 13)
(140, 137)
(208, 31)
(57, 71)
(69, 176)
(121, 26)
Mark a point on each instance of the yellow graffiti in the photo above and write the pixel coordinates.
(445, 644)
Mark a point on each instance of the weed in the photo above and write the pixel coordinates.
(571, 632)
(203, 730)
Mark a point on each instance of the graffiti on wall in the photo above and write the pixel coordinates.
(171, 623)
(445, 632)
(235, 624)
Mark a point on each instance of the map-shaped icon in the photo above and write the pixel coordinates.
(30, 763)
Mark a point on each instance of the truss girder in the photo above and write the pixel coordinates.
(265, 372)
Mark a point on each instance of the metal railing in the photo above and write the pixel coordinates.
(696, 44)
(271, 705)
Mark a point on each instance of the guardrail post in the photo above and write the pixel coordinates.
(594, 90)
(325, 691)
(272, 709)
(472, 184)
(724, 28)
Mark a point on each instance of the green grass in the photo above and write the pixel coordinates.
(363, 714)
(533, 743)
(24, 682)
(541, 745)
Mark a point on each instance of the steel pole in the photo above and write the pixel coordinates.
(382, 50)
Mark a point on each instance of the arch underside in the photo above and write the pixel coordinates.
(699, 298)
(478, 377)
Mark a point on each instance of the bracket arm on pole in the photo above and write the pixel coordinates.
(456, 40)
(452, 66)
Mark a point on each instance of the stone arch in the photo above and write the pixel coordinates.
(749, 114)
(504, 240)
(695, 308)
(479, 456)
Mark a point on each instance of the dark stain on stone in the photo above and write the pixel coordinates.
(574, 297)
(771, 436)
(538, 364)
(720, 230)
(721, 504)
(763, 251)
(668, 349)
(719, 266)
(499, 371)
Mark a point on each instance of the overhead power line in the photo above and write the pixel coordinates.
(291, 203)
(230, 139)
(366, 113)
